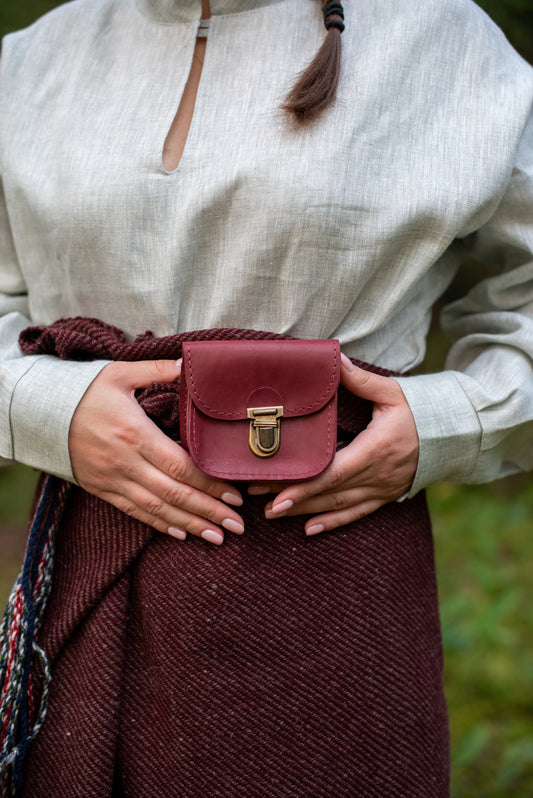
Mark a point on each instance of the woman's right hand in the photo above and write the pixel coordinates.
(120, 455)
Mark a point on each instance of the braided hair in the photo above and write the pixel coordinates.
(316, 87)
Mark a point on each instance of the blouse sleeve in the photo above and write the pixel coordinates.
(38, 394)
(475, 420)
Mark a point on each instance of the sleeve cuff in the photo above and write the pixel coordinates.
(42, 406)
(448, 428)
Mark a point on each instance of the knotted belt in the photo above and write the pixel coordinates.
(274, 666)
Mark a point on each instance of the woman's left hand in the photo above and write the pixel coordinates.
(377, 467)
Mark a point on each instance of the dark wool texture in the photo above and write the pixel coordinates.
(274, 666)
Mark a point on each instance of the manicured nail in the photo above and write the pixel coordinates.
(233, 526)
(315, 529)
(180, 534)
(258, 490)
(346, 362)
(283, 507)
(235, 499)
(213, 536)
(178, 363)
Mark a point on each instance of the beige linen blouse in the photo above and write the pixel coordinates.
(351, 228)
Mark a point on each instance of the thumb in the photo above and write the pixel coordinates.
(367, 385)
(143, 373)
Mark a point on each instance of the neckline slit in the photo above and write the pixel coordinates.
(178, 134)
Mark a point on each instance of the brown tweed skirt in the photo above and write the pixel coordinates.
(275, 666)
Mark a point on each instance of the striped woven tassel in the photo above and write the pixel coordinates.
(20, 719)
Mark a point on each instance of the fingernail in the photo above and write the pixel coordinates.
(233, 526)
(283, 507)
(178, 363)
(258, 490)
(235, 499)
(346, 362)
(213, 536)
(180, 534)
(315, 529)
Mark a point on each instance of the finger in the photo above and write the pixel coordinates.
(368, 385)
(330, 521)
(142, 373)
(174, 532)
(169, 494)
(335, 501)
(145, 508)
(170, 458)
(349, 468)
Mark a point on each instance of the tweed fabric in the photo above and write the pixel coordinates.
(273, 666)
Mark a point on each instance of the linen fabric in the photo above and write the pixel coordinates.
(273, 666)
(350, 229)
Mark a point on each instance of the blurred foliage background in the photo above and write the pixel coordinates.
(484, 550)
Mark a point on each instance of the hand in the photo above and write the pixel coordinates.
(120, 455)
(377, 467)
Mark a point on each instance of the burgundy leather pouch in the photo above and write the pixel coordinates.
(260, 410)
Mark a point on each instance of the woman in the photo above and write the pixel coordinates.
(152, 194)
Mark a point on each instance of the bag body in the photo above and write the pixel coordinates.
(260, 410)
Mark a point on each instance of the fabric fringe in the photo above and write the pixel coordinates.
(21, 720)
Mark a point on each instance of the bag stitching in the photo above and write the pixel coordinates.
(311, 406)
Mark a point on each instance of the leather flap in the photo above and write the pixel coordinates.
(224, 378)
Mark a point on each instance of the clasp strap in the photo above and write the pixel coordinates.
(265, 430)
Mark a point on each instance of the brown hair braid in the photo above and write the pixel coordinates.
(316, 87)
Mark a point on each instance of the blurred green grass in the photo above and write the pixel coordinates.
(484, 553)
(17, 484)
(15, 14)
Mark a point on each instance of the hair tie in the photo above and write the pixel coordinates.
(330, 11)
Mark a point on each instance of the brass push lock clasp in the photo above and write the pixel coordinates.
(265, 430)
